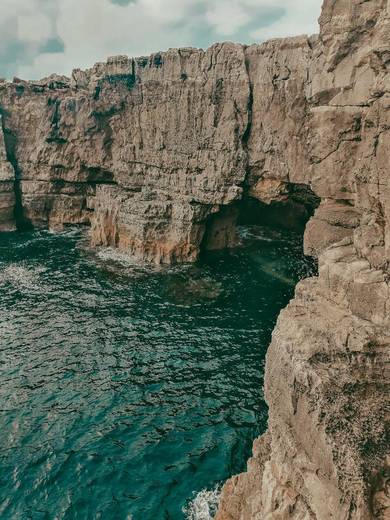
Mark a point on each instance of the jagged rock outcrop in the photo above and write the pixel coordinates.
(159, 155)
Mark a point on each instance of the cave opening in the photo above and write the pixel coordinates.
(290, 210)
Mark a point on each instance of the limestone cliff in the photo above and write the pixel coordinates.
(326, 453)
(154, 152)
(143, 149)
(157, 155)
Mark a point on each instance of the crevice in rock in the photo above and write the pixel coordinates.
(247, 132)
(97, 175)
(55, 132)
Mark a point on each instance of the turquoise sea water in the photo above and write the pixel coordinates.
(126, 391)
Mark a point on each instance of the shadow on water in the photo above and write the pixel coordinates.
(126, 390)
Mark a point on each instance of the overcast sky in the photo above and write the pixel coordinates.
(39, 37)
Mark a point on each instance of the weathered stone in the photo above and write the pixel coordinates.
(7, 193)
(332, 222)
(326, 371)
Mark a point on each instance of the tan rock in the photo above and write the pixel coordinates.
(7, 193)
(327, 384)
(332, 222)
(269, 190)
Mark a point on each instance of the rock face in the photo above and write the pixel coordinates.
(154, 153)
(161, 155)
(326, 452)
(7, 189)
(144, 149)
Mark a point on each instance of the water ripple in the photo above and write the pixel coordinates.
(126, 390)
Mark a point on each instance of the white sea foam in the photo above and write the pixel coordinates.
(68, 231)
(204, 505)
(109, 254)
(114, 259)
(258, 233)
(21, 275)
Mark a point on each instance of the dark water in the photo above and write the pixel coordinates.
(123, 391)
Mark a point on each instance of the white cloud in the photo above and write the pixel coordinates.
(166, 11)
(91, 30)
(298, 19)
(30, 25)
(227, 17)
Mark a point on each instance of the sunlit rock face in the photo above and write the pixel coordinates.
(325, 455)
(145, 149)
(149, 151)
(160, 155)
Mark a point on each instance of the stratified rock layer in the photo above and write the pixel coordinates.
(156, 155)
(145, 149)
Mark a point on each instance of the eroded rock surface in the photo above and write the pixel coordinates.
(157, 154)
(151, 151)
(327, 377)
(143, 149)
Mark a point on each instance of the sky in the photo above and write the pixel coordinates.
(39, 37)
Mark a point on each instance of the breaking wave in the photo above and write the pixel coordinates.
(204, 506)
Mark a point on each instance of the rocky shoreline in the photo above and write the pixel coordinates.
(160, 155)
